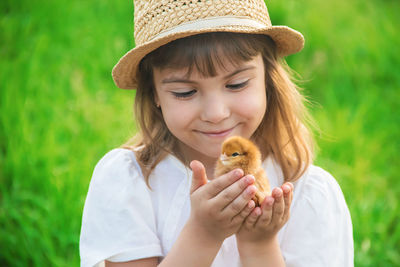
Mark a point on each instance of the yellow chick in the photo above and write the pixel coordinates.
(239, 152)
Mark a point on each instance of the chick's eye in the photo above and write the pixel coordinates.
(235, 154)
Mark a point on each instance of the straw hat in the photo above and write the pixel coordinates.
(158, 22)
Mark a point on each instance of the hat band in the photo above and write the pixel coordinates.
(209, 23)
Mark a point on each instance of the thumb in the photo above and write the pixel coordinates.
(199, 176)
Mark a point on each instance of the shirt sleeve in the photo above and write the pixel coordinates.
(118, 222)
(319, 232)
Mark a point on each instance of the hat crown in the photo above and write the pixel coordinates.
(156, 17)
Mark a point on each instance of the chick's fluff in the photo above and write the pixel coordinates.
(239, 152)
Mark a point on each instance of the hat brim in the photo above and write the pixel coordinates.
(287, 40)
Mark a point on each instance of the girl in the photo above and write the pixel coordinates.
(206, 70)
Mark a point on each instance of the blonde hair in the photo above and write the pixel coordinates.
(282, 133)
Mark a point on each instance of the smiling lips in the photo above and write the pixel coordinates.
(223, 133)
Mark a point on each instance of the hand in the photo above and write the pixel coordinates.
(219, 207)
(263, 224)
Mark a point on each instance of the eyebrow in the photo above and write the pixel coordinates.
(183, 80)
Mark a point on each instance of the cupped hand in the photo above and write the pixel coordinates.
(264, 222)
(219, 207)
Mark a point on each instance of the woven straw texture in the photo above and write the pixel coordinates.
(157, 23)
(153, 17)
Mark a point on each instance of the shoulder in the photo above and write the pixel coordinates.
(319, 187)
(116, 159)
(116, 172)
(117, 163)
(319, 206)
(118, 206)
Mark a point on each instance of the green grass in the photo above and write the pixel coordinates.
(60, 112)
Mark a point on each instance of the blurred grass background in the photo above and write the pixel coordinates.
(60, 113)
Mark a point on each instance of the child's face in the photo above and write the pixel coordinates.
(201, 112)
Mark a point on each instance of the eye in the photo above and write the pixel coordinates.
(237, 86)
(184, 94)
(235, 154)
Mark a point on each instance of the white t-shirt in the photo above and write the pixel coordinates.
(124, 220)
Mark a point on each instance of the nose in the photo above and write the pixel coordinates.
(215, 109)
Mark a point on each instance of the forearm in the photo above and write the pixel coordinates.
(261, 255)
(192, 248)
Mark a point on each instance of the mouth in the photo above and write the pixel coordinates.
(218, 133)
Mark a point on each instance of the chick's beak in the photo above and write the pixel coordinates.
(223, 158)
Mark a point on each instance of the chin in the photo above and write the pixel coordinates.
(214, 153)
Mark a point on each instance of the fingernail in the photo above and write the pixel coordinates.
(251, 189)
(251, 204)
(278, 192)
(250, 179)
(286, 189)
(238, 173)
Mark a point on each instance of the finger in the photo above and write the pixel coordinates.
(252, 219)
(287, 197)
(286, 189)
(218, 184)
(229, 194)
(266, 207)
(291, 191)
(244, 213)
(236, 206)
(199, 177)
(278, 207)
(290, 184)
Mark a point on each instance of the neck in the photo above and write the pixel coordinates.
(190, 154)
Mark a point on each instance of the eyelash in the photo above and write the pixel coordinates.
(238, 85)
(192, 92)
(184, 94)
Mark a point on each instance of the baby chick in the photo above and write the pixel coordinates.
(239, 152)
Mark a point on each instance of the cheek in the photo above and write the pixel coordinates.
(177, 117)
(254, 105)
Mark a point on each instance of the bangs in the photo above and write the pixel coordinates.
(208, 52)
